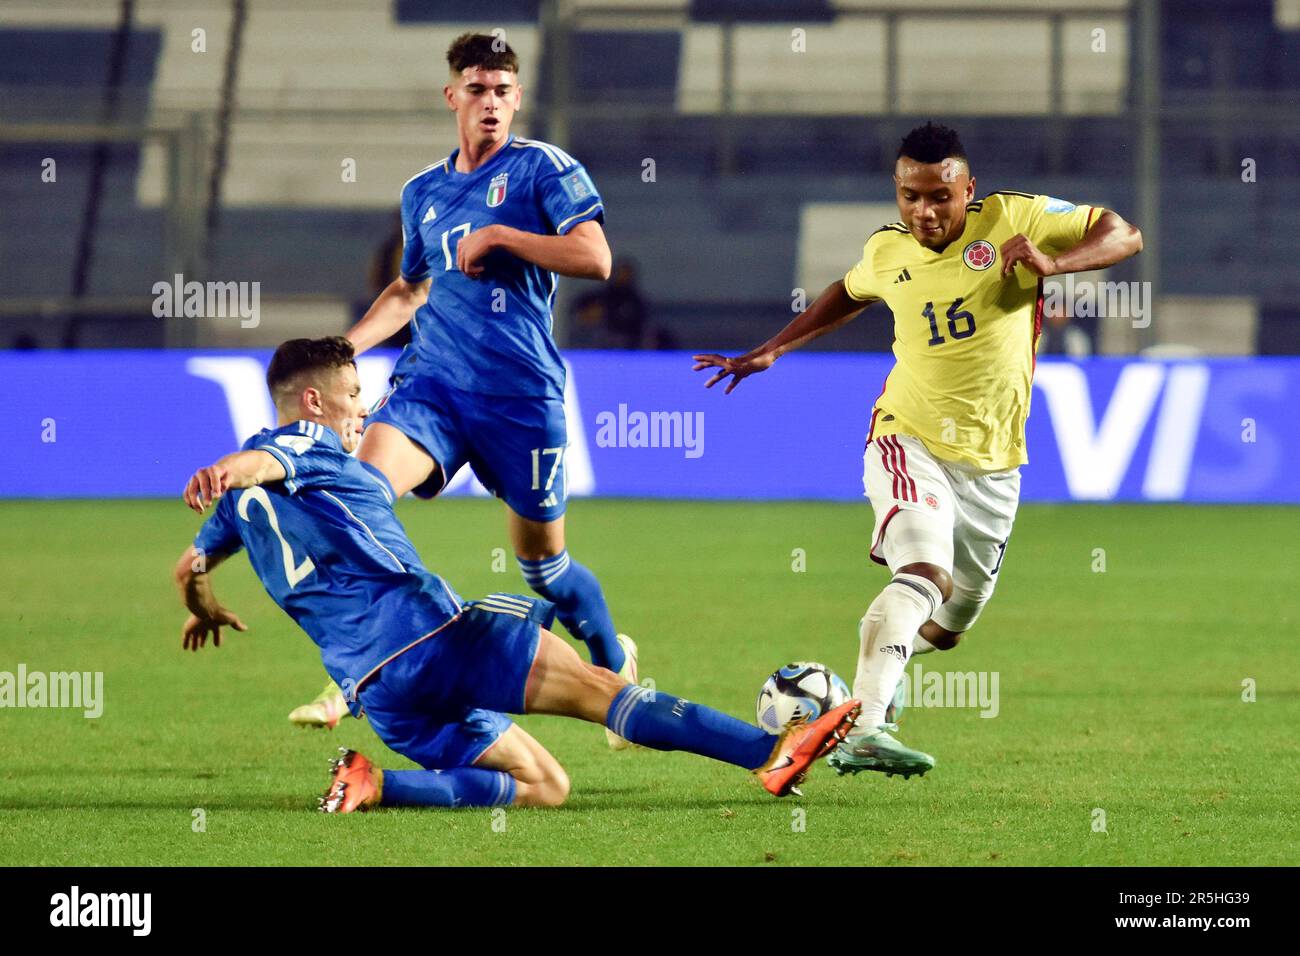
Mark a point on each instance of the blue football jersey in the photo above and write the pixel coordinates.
(329, 549)
(491, 335)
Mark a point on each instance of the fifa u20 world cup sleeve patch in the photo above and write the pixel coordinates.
(310, 453)
(1058, 225)
(570, 197)
(218, 534)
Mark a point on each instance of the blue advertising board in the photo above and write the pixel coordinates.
(136, 424)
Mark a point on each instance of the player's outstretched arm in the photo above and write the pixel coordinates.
(582, 252)
(243, 469)
(1108, 241)
(833, 308)
(207, 616)
(390, 311)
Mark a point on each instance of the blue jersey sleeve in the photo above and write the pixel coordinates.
(219, 534)
(311, 454)
(568, 196)
(414, 268)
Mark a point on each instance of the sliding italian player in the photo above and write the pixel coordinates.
(434, 674)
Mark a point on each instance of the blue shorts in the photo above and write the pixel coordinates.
(440, 703)
(516, 446)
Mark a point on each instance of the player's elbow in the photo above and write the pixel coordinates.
(602, 263)
(409, 294)
(1129, 234)
(184, 571)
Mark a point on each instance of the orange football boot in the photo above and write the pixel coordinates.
(802, 744)
(355, 784)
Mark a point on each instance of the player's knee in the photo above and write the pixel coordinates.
(540, 782)
(946, 640)
(544, 793)
(553, 791)
(935, 574)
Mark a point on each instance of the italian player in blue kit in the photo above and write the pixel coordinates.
(431, 672)
(486, 232)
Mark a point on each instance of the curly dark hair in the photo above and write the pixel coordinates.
(297, 356)
(483, 50)
(932, 143)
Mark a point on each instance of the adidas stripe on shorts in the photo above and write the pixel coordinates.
(970, 516)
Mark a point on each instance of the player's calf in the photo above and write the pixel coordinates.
(540, 780)
(579, 604)
(561, 683)
(933, 637)
(887, 634)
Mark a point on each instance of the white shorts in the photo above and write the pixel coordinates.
(970, 515)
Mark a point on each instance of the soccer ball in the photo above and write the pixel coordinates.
(803, 690)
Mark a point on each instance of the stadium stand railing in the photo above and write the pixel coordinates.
(752, 113)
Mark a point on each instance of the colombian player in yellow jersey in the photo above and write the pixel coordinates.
(946, 437)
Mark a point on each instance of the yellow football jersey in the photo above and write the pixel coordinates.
(964, 337)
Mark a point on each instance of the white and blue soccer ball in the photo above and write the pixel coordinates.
(801, 691)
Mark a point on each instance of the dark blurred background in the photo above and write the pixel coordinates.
(743, 150)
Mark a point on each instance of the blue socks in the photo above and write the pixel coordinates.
(661, 721)
(647, 717)
(579, 604)
(458, 787)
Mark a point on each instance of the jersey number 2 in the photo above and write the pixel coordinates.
(294, 573)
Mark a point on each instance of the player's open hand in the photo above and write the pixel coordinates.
(473, 248)
(737, 369)
(1021, 249)
(196, 630)
(205, 486)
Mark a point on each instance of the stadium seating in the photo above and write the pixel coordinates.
(720, 221)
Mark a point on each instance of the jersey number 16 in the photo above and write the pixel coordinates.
(955, 314)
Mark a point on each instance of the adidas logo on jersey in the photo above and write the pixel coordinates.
(903, 276)
(550, 501)
(429, 216)
(895, 650)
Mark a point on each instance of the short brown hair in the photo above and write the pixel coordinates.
(483, 50)
(297, 356)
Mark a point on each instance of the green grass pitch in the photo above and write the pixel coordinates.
(1121, 691)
